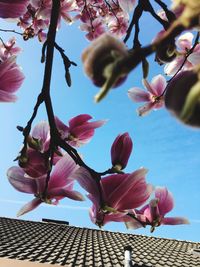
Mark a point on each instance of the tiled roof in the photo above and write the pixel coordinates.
(74, 246)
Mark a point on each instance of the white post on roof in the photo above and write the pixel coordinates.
(127, 256)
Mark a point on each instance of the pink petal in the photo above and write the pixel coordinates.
(158, 84)
(78, 120)
(184, 42)
(149, 87)
(126, 191)
(86, 129)
(138, 95)
(174, 221)
(41, 131)
(171, 68)
(63, 129)
(63, 192)
(62, 171)
(12, 79)
(165, 200)
(126, 5)
(12, 9)
(19, 181)
(85, 179)
(7, 97)
(145, 109)
(29, 206)
(194, 58)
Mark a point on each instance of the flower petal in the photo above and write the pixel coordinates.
(63, 129)
(85, 179)
(165, 200)
(41, 131)
(19, 181)
(184, 42)
(158, 84)
(63, 192)
(29, 206)
(145, 109)
(174, 220)
(126, 191)
(138, 95)
(62, 171)
(194, 58)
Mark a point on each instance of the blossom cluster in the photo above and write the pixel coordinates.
(115, 197)
(11, 75)
(96, 17)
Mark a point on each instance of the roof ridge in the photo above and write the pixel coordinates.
(102, 230)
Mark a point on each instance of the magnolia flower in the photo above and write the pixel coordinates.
(60, 184)
(154, 96)
(121, 150)
(114, 195)
(11, 79)
(127, 5)
(184, 44)
(12, 9)
(154, 213)
(80, 130)
(9, 49)
(99, 59)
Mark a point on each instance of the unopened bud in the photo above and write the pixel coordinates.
(183, 97)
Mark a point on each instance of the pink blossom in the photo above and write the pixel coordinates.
(60, 184)
(154, 213)
(154, 96)
(11, 79)
(121, 150)
(118, 26)
(114, 195)
(9, 49)
(80, 130)
(94, 28)
(12, 9)
(184, 44)
(127, 5)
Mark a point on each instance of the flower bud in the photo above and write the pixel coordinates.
(99, 57)
(183, 97)
(120, 151)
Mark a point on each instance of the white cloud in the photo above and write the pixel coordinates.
(19, 202)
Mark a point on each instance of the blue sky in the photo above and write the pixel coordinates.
(161, 144)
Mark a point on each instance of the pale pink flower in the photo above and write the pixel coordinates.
(127, 5)
(60, 184)
(154, 96)
(11, 79)
(9, 49)
(121, 150)
(80, 130)
(41, 133)
(154, 213)
(12, 9)
(184, 44)
(118, 26)
(95, 28)
(115, 194)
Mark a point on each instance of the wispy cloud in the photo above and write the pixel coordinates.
(19, 202)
